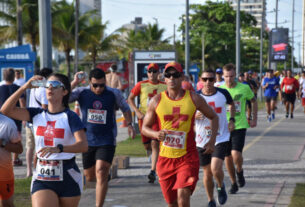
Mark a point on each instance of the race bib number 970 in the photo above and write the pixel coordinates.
(49, 170)
(174, 139)
(96, 116)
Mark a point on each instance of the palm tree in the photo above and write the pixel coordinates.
(29, 18)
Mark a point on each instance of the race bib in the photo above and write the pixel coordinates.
(237, 106)
(49, 170)
(174, 139)
(208, 132)
(96, 116)
(289, 87)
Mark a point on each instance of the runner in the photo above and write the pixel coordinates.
(146, 90)
(36, 98)
(290, 87)
(59, 134)
(219, 79)
(302, 89)
(6, 90)
(212, 164)
(174, 110)
(10, 141)
(270, 85)
(98, 104)
(240, 93)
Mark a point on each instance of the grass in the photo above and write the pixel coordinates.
(22, 195)
(131, 147)
(298, 198)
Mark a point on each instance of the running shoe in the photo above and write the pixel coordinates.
(212, 203)
(240, 178)
(269, 118)
(233, 189)
(151, 176)
(291, 116)
(222, 195)
(287, 115)
(17, 162)
(273, 116)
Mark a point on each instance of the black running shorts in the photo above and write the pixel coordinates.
(105, 153)
(220, 152)
(237, 140)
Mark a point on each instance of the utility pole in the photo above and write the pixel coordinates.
(19, 22)
(174, 39)
(261, 47)
(303, 34)
(76, 36)
(292, 36)
(238, 39)
(45, 33)
(203, 52)
(276, 13)
(187, 40)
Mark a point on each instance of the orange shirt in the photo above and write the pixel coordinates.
(177, 117)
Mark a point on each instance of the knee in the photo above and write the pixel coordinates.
(90, 178)
(102, 174)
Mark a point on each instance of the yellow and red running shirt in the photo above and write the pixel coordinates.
(146, 89)
(177, 117)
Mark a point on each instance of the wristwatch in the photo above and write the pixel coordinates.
(60, 147)
(3, 143)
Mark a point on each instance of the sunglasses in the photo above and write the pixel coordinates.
(205, 79)
(95, 85)
(152, 71)
(55, 84)
(175, 75)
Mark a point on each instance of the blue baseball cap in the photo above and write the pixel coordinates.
(218, 70)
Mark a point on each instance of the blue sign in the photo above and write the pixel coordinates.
(20, 58)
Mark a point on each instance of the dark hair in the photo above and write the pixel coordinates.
(114, 67)
(229, 67)
(9, 75)
(64, 79)
(96, 73)
(45, 72)
(208, 70)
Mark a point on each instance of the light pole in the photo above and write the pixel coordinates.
(187, 41)
(19, 22)
(292, 36)
(238, 39)
(76, 36)
(261, 47)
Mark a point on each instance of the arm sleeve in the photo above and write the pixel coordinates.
(226, 94)
(74, 96)
(137, 89)
(33, 112)
(120, 100)
(74, 121)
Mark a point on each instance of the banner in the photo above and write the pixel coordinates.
(278, 44)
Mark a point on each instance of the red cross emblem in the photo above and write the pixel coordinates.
(150, 95)
(217, 110)
(176, 117)
(49, 132)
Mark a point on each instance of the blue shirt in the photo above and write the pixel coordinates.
(270, 91)
(98, 113)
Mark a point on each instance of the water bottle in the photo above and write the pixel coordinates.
(39, 83)
(82, 75)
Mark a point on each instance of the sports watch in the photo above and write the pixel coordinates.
(3, 143)
(60, 147)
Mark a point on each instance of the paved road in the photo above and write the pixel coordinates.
(273, 162)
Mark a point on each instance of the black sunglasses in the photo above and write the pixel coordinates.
(175, 75)
(95, 85)
(152, 71)
(205, 79)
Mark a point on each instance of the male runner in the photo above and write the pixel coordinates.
(174, 110)
(219, 80)
(290, 87)
(217, 98)
(240, 94)
(10, 141)
(146, 90)
(270, 85)
(98, 104)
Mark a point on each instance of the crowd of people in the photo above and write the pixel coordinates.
(181, 129)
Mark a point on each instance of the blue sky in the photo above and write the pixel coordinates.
(167, 13)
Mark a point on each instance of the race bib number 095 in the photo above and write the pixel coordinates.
(49, 170)
(97, 116)
(174, 139)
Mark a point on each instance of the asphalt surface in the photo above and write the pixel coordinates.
(273, 163)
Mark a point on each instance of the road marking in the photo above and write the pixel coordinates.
(256, 139)
(276, 191)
